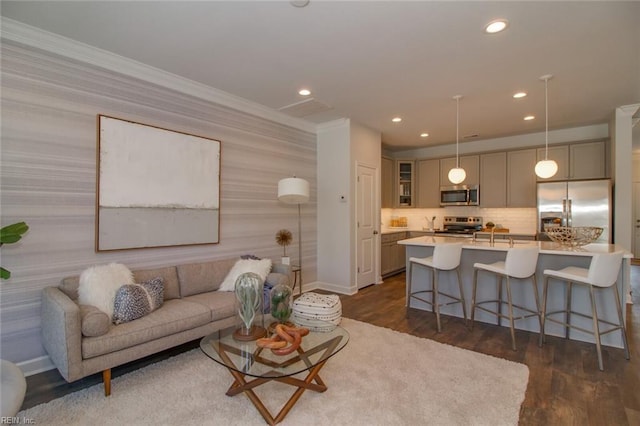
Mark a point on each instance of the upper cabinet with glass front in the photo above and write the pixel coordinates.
(405, 175)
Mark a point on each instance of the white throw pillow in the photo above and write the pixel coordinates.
(261, 267)
(99, 285)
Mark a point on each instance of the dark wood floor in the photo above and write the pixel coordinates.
(565, 386)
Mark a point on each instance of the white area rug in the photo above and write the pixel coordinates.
(381, 377)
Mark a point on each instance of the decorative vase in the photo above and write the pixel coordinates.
(249, 294)
(281, 303)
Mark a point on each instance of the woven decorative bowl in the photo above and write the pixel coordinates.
(574, 236)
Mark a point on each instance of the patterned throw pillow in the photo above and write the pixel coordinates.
(134, 301)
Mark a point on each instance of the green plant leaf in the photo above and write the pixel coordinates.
(13, 233)
(4, 274)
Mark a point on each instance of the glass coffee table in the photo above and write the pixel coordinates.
(245, 359)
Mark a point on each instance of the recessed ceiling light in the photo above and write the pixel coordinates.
(299, 3)
(496, 26)
(530, 117)
(424, 135)
(396, 119)
(519, 95)
(304, 92)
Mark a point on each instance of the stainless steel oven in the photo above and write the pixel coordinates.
(460, 195)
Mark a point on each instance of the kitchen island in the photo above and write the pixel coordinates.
(552, 256)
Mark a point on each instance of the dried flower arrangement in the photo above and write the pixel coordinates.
(283, 238)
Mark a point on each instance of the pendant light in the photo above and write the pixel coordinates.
(457, 174)
(546, 168)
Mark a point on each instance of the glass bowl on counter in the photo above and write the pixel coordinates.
(574, 236)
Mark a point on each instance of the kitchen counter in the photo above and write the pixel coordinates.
(552, 256)
(546, 247)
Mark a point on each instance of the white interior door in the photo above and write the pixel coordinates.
(366, 190)
(636, 220)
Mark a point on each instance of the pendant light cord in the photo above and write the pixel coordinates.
(546, 120)
(457, 130)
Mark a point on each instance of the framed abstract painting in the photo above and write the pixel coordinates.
(155, 187)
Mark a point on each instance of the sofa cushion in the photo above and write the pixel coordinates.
(99, 284)
(196, 278)
(134, 301)
(69, 286)
(260, 267)
(169, 275)
(93, 321)
(221, 304)
(173, 317)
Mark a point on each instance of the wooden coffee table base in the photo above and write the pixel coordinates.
(240, 385)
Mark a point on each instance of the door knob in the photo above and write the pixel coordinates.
(375, 232)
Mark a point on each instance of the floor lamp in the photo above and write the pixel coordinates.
(295, 191)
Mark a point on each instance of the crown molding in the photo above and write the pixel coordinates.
(339, 122)
(37, 38)
(629, 110)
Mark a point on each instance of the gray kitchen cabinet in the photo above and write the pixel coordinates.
(405, 175)
(493, 179)
(521, 178)
(387, 183)
(392, 255)
(560, 154)
(470, 164)
(578, 161)
(428, 187)
(587, 160)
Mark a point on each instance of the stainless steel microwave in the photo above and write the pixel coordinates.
(460, 195)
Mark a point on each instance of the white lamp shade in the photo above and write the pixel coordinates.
(546, 168)
(457, 175)
(293, 190)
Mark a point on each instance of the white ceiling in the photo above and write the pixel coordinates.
(371, 61)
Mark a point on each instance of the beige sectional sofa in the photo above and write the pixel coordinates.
(192, 308)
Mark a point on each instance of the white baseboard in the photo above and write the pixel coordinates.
(36, 365)
(334, 288)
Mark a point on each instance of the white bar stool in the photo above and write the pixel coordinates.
(602, 273)
(446, 257)
(520, 263)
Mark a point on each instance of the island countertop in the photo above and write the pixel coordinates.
(546, 247)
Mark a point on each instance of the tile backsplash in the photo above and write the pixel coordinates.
(518, 220)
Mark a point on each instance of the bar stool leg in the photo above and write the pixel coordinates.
(543, 313)
(473, 296)
(537, 298)
(567, 313)
(499, 307)
(596, 328)
(435, 297)
(511, 325)
(410, 281)
(627, 355)
(464, 307)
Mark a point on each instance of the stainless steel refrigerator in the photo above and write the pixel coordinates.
(576, 203)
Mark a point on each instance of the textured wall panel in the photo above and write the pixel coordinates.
(48, 178)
